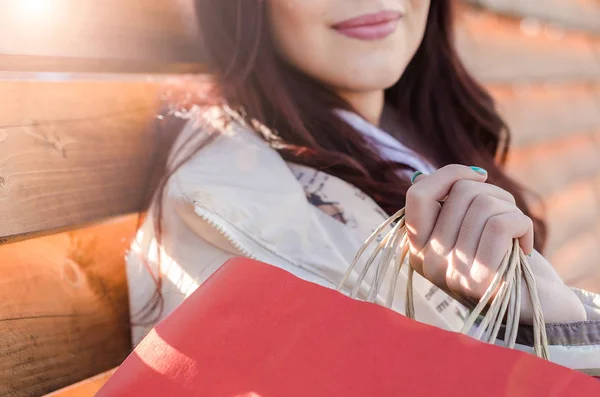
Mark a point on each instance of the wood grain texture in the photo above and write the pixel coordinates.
(566, 172)
(500, 49)
(29, 63)
(86, 388)
(74, 152)
(545, 112)
(145, 35)
(574, 14)
(577, 261)
(551, 166)
(573, 215)
(63, 308)
(571, 211)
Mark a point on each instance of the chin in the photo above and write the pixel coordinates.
(372, 80)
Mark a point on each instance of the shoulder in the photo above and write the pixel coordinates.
(222, 154)
(225, 166)
(209, 133)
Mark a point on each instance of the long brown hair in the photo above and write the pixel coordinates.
(446, 116)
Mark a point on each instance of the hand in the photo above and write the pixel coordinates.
(459, 245)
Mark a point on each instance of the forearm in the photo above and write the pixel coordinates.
(560, 304)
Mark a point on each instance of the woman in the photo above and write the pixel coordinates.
(320, 111)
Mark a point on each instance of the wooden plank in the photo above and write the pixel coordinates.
(97, 35)
(574, 14)
(567, 173)
(74, 152)
(544, 112)
(596, 184)
(551, 166)
(63, 308)
(574, 247)
(577, 261)
(86, 388)
(29, 63)
(574, 209)
(499, 49)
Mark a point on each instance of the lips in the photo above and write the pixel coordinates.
(370, 26)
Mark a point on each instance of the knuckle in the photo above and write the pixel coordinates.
(510, 198)
(505, 195)
(462, 187)
(414, 195)
(529, 221)
(484, 202)
(498, 225)
(453, 283)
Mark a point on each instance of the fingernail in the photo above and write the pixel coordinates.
(530, 255)
(479, 170)
(415, 176)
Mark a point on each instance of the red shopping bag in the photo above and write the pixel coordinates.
(253, 330)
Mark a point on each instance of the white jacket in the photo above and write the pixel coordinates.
(237, 196)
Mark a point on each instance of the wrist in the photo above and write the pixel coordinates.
(559, 304)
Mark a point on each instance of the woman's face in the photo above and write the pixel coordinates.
(349, 45)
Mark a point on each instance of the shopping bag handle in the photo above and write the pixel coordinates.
(501, 300)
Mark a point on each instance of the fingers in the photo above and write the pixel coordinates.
(482, 210)
(496, 240)
(422, 200)
(469, 230)
(453, 212)
(460, 244)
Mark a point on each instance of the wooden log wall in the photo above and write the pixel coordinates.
(79, 146)
(541, 60)
(64, 307)
(76, 157)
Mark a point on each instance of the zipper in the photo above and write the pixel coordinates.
(204, 214)
(219, 224)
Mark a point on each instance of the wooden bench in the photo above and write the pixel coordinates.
(81, 148)
(79, 154)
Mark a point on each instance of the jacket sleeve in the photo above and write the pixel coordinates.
(591, 302)
(574, 345)
(190, 251)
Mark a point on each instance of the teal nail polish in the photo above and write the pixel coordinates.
(415, 176)
(530, 255)
(479, 170)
